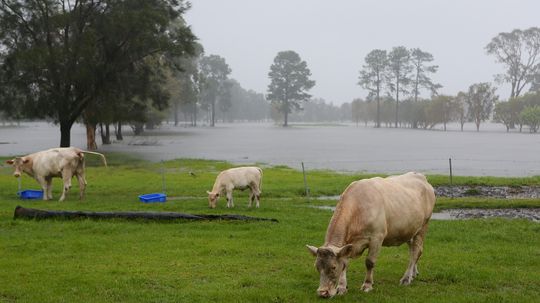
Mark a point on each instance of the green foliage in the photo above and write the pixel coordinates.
(289, 76)
(139, 261)
(214, 73)
(480, 100)
(76, 56)
(531, 117)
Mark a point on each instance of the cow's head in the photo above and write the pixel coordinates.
(212, 199)
(18, 164)
(330, 263)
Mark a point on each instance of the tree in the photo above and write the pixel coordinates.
(398, 74)
(531, 117)
(439, 111)
(481, 97)
(519, 52)
(503, 114)
(64, 56)
(461, 108)
(372, 76)
(215, 72)
(421, 72)
(289, 84)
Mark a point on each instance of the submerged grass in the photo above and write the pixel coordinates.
(494, 260)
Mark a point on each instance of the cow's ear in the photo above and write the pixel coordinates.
(208, 192)
(25, 160)
(346, 251)
(312, 249)
(10, 162)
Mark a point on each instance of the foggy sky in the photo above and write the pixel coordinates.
(334, 37)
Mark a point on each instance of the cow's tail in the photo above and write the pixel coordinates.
(260, 184)
(99, 154)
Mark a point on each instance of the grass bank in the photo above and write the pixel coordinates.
(493, 260)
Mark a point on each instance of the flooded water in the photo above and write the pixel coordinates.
(347, 148)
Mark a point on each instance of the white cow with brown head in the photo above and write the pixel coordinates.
(236, 178)
(55, 162)
(372, 213)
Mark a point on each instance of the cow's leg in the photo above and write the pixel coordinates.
(66, 177)
(48, 192)
(416, 245)
(230, 202)
(251, 197)
(257, 196)
(43, 183)
(82, 180)
(82, 185)
(342, 285)
(374, 249)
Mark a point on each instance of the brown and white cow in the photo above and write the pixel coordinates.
(61, 162)
(236, 178)
(372, 213)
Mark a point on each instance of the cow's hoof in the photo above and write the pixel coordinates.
(406, 280)
(367, 287)
(341, 290)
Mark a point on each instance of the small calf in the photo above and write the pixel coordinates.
(236, 178)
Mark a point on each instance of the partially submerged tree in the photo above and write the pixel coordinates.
(421, 73)
(398, 75)
(289, 84)
(519, 52)
(372, 77)
(215, 72)
(480, 100)
(531, 117)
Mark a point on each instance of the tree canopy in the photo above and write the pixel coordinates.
(61, 57)
(519, 52)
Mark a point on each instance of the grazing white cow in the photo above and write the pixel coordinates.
(55, 162)
(236, 178)
(372, 213)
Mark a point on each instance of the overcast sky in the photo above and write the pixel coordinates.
(334, 37)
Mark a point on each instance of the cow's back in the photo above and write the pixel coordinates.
(51, 162)
(241, 177)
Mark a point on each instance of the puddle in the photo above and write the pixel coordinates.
(532, 214)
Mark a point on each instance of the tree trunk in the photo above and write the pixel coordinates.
(213, 114)
(175, 114)
(91, 136)
(65, 134)
(378, 124)
(105, 134)
(119, 135)
(397, 102)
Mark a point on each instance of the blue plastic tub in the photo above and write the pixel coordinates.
(30, 194)
(149, 198)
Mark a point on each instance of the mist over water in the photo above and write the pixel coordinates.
(345, 147)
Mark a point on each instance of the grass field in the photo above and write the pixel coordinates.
(494, 260)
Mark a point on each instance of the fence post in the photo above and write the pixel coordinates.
(306, 188)
(450, 162)
(163, 177)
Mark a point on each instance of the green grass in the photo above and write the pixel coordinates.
(494, 260)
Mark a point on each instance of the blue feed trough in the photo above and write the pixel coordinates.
(150, 198)
(30, 194)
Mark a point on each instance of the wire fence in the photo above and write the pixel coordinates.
(444, 166)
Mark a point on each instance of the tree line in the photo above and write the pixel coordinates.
(137, 63)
